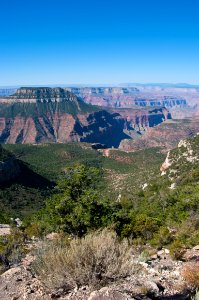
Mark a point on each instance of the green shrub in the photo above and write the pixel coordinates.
(12, 248)
(177, 250)
(162, 238)
(34, 229)
(144, 256)
(77, 205)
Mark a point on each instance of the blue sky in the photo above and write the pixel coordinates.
(99, 41)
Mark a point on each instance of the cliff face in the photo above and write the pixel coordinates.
(45, 94)
(128, 101)
(63, 127)
(127, 97)
(42, 115)
(140, 120)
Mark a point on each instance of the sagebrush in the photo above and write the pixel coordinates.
(95, 260)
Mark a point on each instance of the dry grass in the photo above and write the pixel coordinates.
(190, 274)
(95, 260)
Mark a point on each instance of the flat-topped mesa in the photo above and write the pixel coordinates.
(42, 94)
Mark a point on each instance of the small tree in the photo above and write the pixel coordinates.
(77, 204)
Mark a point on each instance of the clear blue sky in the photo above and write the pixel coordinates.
(98, 41)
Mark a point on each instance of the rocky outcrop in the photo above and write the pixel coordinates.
(19, 283)
(192, 254)
(159, 277)
(186, 155)
(108, 294)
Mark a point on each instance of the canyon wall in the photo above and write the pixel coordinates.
(128, 97)
(165, 136)
(46, 115)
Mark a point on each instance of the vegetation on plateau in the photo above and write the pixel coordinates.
(85, 210)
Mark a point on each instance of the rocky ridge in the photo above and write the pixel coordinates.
(185, 156)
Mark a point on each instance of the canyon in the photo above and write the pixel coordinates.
(56, 115)
(139, 96)
(165, 136)
(129, 118)
(130, 95)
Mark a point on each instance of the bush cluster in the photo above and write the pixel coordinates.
(158, 215)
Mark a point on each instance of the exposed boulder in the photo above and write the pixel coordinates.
(108, 294)
(192, 254)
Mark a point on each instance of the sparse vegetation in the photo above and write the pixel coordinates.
(84, 200)
(177, 250)
(12, 248)
(99, 223)
(95, 260)
(123, 173)
(190, 274)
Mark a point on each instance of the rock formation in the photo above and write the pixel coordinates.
(141, 119)
(45, 94)
(42, 115)
(159, 277)
(165, 135)
(127, 97)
